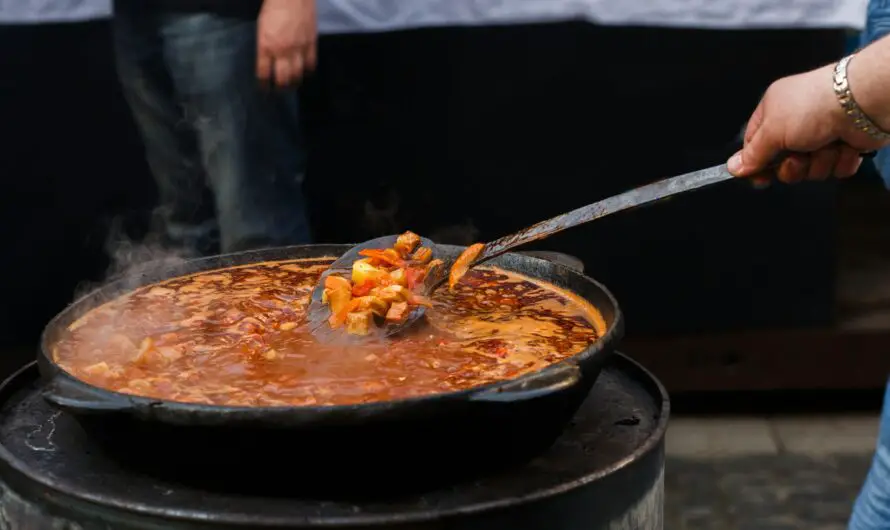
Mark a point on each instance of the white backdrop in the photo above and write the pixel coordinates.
(344, 16)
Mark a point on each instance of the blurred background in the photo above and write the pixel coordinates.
(465, 123)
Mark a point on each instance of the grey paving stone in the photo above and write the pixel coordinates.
(694, 437)
(827, 435)
(762, 492)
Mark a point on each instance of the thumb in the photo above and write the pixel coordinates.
(759, 151)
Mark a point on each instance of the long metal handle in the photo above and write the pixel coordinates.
(618, 203)
(624, 201)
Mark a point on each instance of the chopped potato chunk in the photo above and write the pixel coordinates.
(399, 277)
(364, 272)
(371, 303)
(393, 293)
(359, 322)
(338, 299)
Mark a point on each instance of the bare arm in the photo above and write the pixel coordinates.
(869, 76)
(801, 115)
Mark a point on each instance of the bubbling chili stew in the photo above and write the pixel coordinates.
(237, 337)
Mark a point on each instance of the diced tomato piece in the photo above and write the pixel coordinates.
(363, 289)
(414, 277)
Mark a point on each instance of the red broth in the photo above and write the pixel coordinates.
(236, 337)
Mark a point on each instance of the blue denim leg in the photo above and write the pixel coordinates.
(247, 138)
(877, 25)
(185, 210)
(872, 508)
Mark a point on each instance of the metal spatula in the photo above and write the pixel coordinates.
(318, 312)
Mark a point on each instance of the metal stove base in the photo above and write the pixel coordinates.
(605, 473)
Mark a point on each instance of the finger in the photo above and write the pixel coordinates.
(264, 67)
(298, 66)
(762, 150)
(794, 168)
(736, 163)
(754, 122)
(822, 163)
(283, 71)
(848, 162)
(758, 152)
(312, 56)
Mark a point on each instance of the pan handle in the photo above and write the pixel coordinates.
(78, 398)
(557, 379)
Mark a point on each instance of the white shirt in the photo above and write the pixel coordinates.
(345, 16)
(348, 16)
(48, 11)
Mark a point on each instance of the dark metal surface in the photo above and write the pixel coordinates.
(521, 417)
(557, 257)
(604, 472)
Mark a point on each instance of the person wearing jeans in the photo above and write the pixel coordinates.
(877, 25)
(872, 509)
(211, 87)
(821, 121)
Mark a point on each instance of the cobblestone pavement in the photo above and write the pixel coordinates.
(762, 492)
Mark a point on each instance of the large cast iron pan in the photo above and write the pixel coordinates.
(425, 439)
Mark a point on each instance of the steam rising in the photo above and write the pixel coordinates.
(130, 260)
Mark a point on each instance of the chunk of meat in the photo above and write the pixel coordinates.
(406, 243)
(423, 254)
(397, 312)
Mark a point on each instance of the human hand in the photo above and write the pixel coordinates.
(799, 117)
(287, 37)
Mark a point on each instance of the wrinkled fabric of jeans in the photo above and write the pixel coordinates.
(872, 508)
(227, 153)
(877, 25)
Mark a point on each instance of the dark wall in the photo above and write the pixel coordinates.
(492, 127)
(70, 162)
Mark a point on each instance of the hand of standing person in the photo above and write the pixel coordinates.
(287, 40)
(800, 117)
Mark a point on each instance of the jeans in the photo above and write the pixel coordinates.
(872, 508)
(877, 25)
(226, 153)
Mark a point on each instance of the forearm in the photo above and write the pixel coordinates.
(869, 77)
